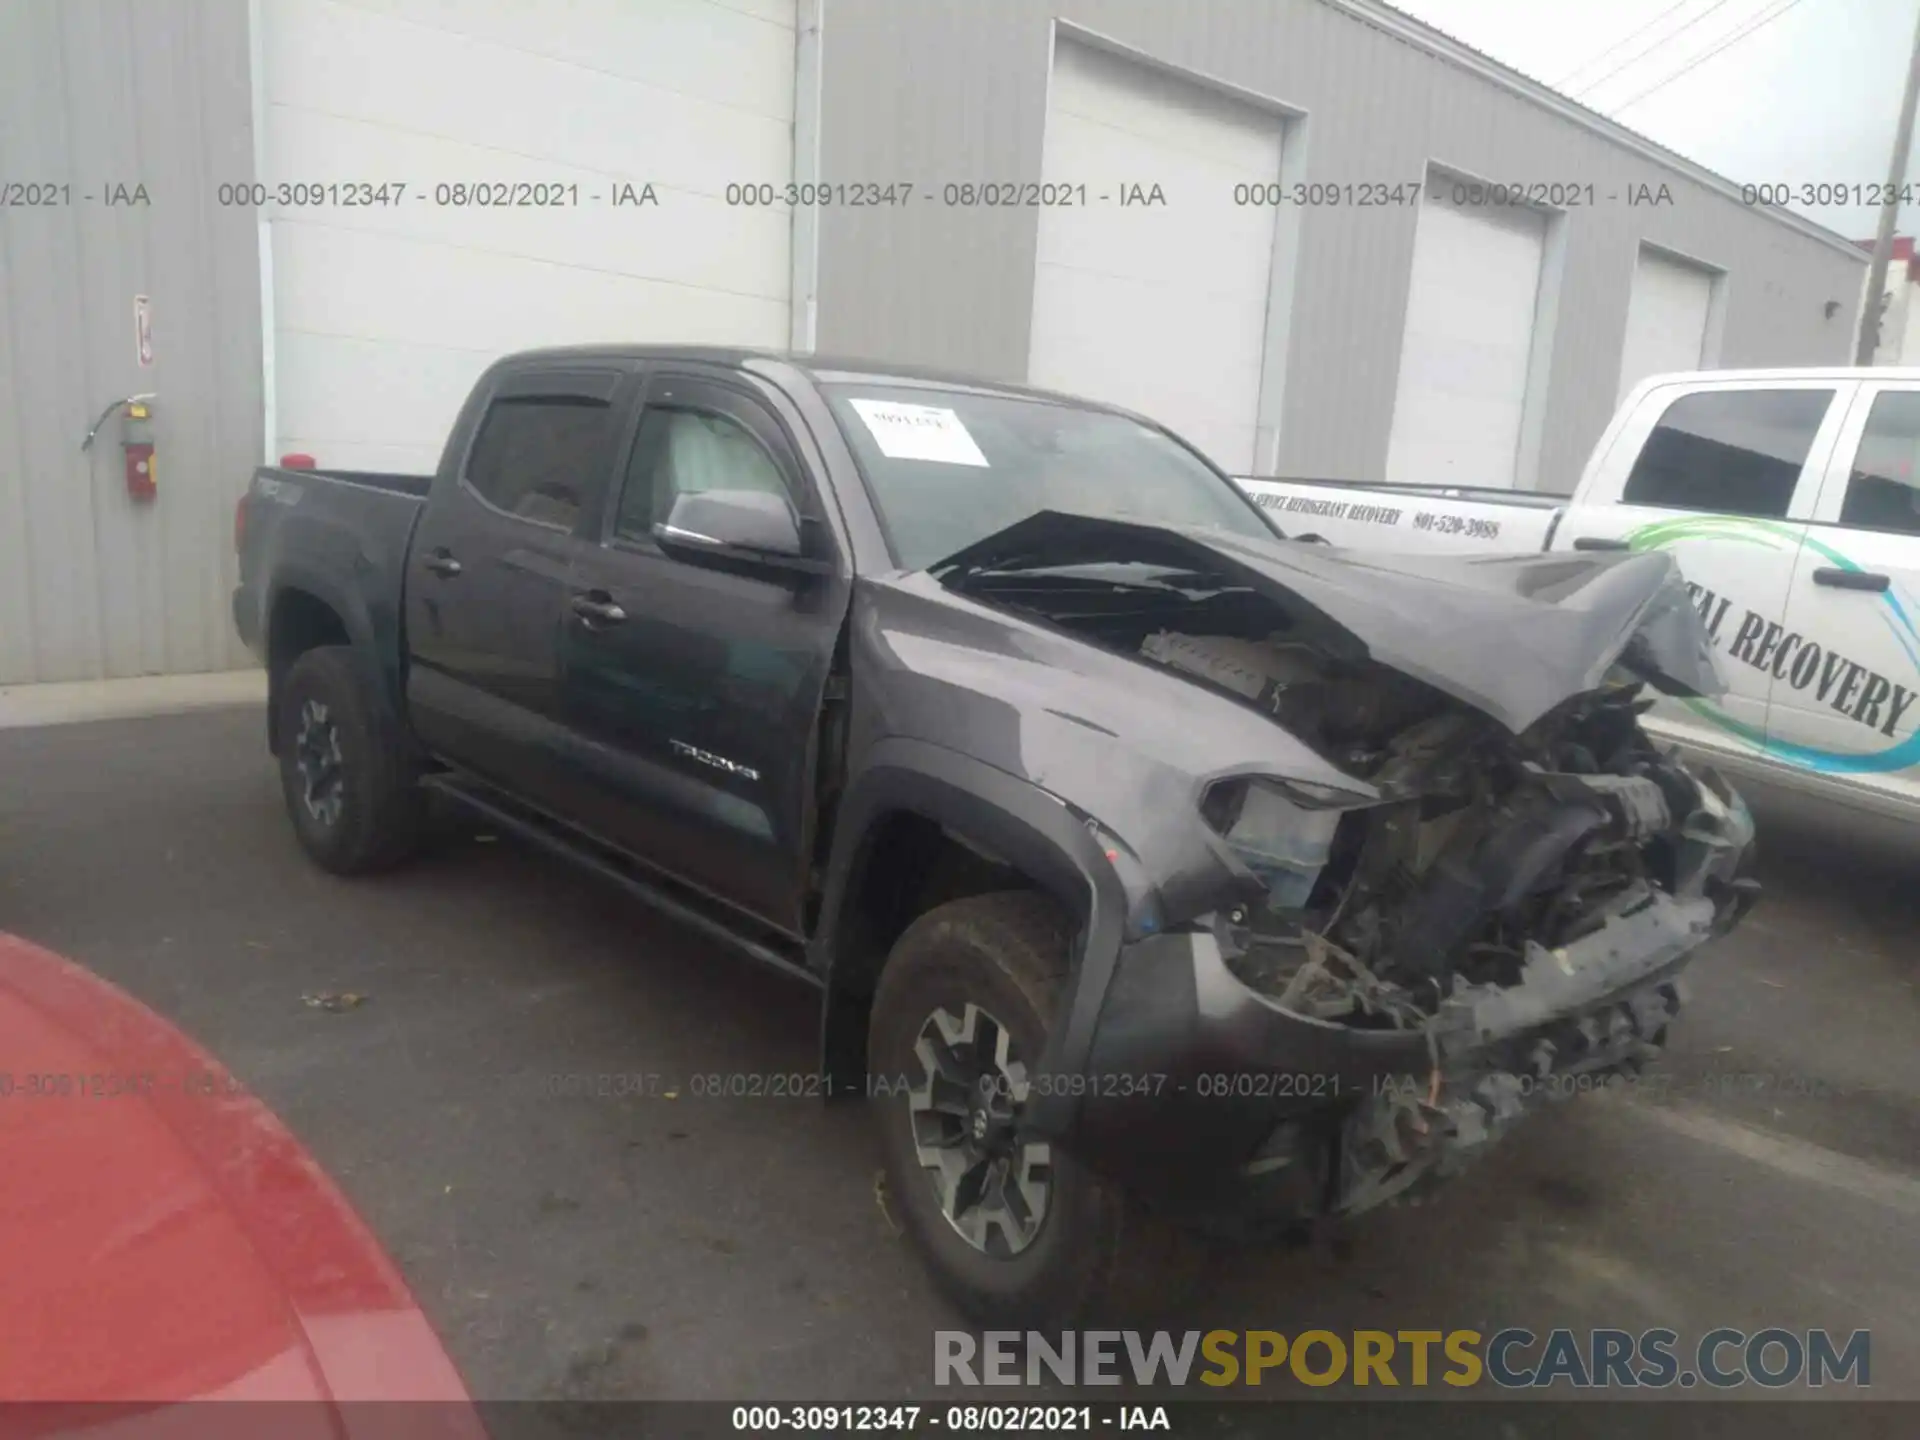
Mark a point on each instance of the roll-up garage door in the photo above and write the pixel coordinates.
(1666, 318)
(1156, 304)
(476, 181)
(1468, 344)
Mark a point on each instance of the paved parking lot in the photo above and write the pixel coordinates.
(704, 1248)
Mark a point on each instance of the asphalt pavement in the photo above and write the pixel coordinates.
(688, 1246)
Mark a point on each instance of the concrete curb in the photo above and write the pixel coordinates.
(71, 702)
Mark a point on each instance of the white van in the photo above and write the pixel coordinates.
(1792, 501)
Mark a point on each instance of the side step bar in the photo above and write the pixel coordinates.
(480, 799)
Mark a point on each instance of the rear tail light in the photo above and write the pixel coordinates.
(240, 524)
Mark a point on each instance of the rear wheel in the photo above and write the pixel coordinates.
(349, 785)
(1015, 1232)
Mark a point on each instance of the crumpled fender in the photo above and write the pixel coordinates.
(1015, 819)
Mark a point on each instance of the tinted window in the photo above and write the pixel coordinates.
(1738, 452)
(1881, 491)
(684, 452)
(535, 456)
(947, 468)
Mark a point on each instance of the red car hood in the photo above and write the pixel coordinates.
(167, 1239)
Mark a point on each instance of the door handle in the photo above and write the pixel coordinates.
(596, 608)
(1850, 579)
(1599, 542)
(441, 562)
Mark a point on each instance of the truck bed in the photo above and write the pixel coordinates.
(1409, 517)
(401, 482)
(1492, 494)
(341, 536)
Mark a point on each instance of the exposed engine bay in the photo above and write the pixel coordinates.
(1521, 898)
(1501, 887)
(1468, 852)
(1486, 848)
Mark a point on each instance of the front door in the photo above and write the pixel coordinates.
(1847, 703)
(693, 691)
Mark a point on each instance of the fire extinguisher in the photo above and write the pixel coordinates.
(136, 443)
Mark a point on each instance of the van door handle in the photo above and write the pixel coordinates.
(596, 608)
(1599, 542)
(1850, 579)
(441, 562)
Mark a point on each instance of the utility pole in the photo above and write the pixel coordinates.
(1889, 213)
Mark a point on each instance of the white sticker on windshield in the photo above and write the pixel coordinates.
(919, 432)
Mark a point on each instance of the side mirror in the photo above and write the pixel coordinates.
(747, 526)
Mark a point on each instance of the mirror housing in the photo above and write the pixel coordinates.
(749, 527)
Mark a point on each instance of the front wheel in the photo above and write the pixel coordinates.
(350, 788)
(1015, 1232)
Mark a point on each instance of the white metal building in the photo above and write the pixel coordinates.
(351, 206)
(382, 316)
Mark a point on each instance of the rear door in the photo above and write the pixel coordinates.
(693, 692)
(487, 575)
(1723, 475)
(1846, 694)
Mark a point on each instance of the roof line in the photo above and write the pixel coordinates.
(1443, 46)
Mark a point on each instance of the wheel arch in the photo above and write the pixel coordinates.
(304, 612)
(913, 800)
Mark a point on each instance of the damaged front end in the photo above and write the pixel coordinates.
(1520, 903)
(1493, 913)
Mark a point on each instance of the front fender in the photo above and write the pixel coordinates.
(1013, 818)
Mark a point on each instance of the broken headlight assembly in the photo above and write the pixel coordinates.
(1281, 830)
(1475, 855)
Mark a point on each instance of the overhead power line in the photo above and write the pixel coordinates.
(1759, 23)
(1626, 39)
(1638, 56)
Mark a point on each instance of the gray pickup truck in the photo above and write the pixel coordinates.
(1162, 877)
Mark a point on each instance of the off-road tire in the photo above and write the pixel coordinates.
(1096, 1256)
(382, 818)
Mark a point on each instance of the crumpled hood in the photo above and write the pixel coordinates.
(1510, 635)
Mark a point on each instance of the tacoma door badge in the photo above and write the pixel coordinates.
(718, 762)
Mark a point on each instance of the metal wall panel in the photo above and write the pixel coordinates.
(945, 90)
(97, 94)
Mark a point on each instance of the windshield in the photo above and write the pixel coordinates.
(947, 468)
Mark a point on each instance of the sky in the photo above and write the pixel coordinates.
(1810, 96)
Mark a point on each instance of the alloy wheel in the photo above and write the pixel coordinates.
(992, 1186)
(316, 751)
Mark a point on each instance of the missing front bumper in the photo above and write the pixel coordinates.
(1338, 1119)
(1418, 1130)
(1584, 1016)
